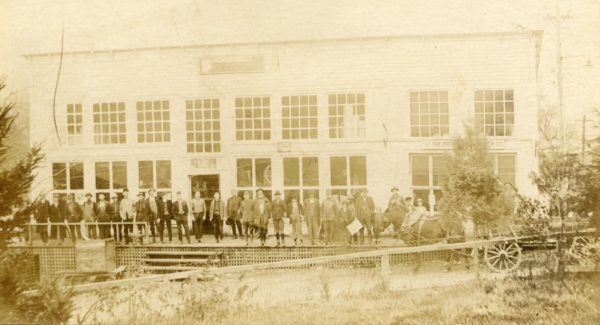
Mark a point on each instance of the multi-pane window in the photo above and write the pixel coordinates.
(299, 117)
(495, 112)
(109, 123)
(203, 126)
(67, 176)
(252, 118)
(429, 114)
(346, 115)
(153, 121)
(428, 173)
(300, 177)
(254, 173)
(506, 168)
(110, 176)
(74, 124)
(348, 174)
(154, 174)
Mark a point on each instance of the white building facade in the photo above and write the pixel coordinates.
(292, 116)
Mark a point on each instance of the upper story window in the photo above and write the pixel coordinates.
(346, 115)
(67, 176)
(495, 112)
(299, 117)
(252, 118)
(203, 128)
(109, 123)
(429, 114)
(153, 121)
(74, 124)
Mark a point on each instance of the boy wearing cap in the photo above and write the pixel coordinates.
(278, 211)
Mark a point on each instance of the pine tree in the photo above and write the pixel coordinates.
(15, 179)
(472, 187)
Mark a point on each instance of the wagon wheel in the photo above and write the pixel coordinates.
(585, 250)
(503, 256)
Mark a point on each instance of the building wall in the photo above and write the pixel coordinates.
(385, 71)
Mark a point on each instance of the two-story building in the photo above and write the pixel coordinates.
(291, 115)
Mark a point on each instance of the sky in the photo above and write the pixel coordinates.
(35, 26)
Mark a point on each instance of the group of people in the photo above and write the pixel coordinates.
(126, 219)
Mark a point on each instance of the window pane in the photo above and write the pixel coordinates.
(358, 170)
(420, 170)
(339, 171)
(102, 176)
(146, 174)
(310, 171)
(507, 169)
(244, 172)
(163, 173)
(440, 169)
(291, 172)
(263, 172)
(59, 176)
(76, 176)
(119, 174)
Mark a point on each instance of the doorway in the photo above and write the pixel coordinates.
(207, 185)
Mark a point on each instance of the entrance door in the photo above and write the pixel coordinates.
(207, 185)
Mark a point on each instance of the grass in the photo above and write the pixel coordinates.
(537, 300)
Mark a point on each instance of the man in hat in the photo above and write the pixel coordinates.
(295, 212)
(234, 215)
(141, 214)
(57, 218)
(328, 213)
(104, 215)
(41, 213)
(365, 211)
(247, 212)
(347, 215)
(262, 213)
(73, 216)
(278, 211)
(116, 219)
(199, 214)
(126, 213)
(416, 215)
(154, 211)
(180, 211)
(396, 210)
(88, 210)
(312, 216)
(165, 221)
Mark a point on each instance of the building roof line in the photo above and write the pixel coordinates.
(478, 35)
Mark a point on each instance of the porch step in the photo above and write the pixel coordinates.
(170, 268)
(181, 260)
(181, 253)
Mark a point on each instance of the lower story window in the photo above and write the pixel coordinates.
(348, 174)
(252, 174)
(155, 174)
(67, 176)
(110, 177)
(506, 168)
(300, 177)
(427, 176)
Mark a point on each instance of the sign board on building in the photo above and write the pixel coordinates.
(205, 163)
(283, 147)
(232, 64)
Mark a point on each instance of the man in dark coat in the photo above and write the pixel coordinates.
(347, 215)
(365, 211)
(295, 213)
(141, 214)
(165, 220)
(234, 215)
(41, 213)
(115, 217)
(152, 212)
(312, 216)
(73, 216)
(104, 214)
(329, 211)
(278, 211)
(261, 213)
(57, 218)
(180, 211)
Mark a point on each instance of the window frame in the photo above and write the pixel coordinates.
(266, 132)
(267, 190)
(431, 187)
(143, 124)
(75, 138)
(301, 188)
(481, 114)
(154, 184)
(334, 120)
(98, 127)
(197, 132)
(415, 103)
(348, 188)
(292, 119)
(67, 170)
